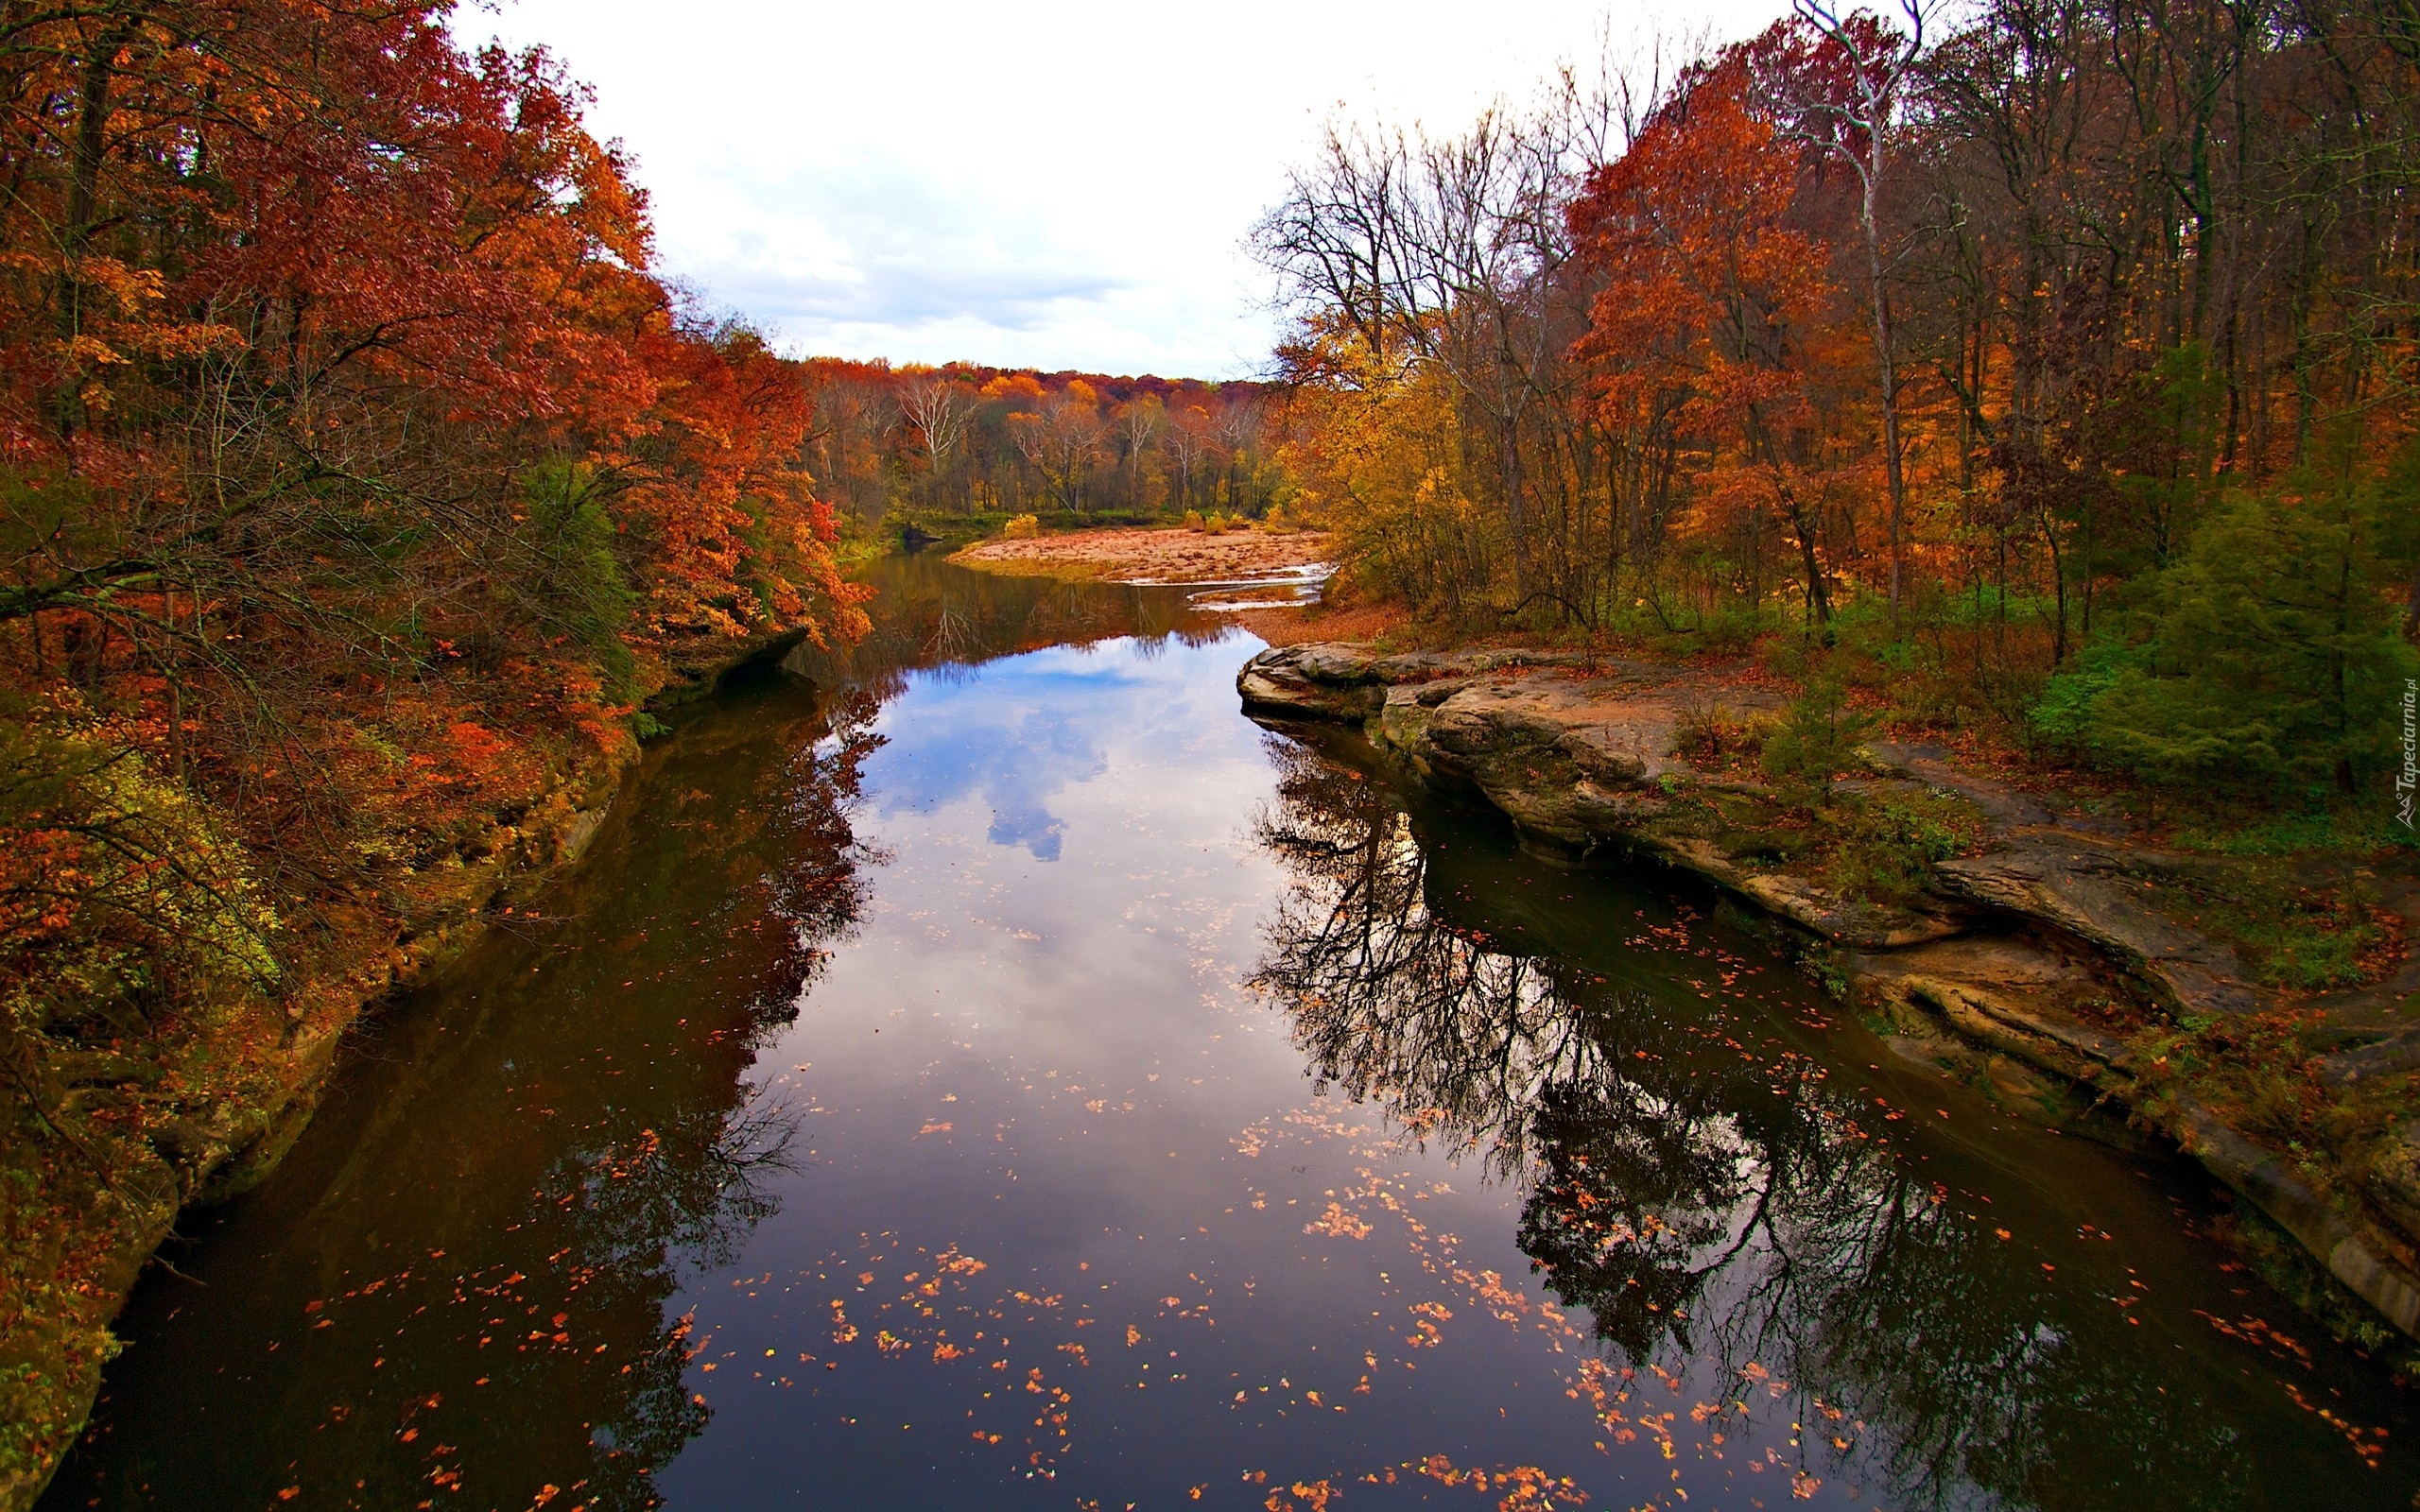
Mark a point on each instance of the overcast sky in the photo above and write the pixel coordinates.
(1044, 184)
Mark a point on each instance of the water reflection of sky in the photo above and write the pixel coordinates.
(1026, 1081)
(1039, 1057)
(1018, 733)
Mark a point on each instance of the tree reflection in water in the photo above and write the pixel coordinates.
(1717, 1209)
(933, 617)
(634, 1210)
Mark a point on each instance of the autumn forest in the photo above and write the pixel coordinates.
(2054, 357)
(2036, 378)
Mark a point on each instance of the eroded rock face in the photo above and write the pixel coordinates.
(2024, 998)
(2082, 886)
(1330, 680)
(1579, 753)
(2394, 1180)
(1316, 681)
(1545, 752)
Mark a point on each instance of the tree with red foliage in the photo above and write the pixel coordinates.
(1709, 292)
(1838, 82)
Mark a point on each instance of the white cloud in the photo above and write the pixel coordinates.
(1060, 185)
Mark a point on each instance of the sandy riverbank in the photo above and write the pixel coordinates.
(1143, 554)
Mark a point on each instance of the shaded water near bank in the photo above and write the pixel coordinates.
(989, 1072)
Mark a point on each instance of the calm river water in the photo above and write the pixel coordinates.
(995, 1073)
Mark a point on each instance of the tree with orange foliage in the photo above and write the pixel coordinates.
(1062, 439)
(1707, 296)
(1190, 437)
(717, 497)
(1838, 80)
(1021, 440)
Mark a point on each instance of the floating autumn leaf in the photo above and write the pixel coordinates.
(1337, 1223)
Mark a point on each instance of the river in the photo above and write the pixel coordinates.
(986, 1071)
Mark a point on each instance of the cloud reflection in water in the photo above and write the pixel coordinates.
(1012, 739)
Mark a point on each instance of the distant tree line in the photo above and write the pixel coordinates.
(964, 439)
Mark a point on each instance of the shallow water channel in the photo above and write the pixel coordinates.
(993, 1072)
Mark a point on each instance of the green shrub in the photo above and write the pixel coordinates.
(1885, 848)
(2267, 655)
(1815, 739)
(2236, 830)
